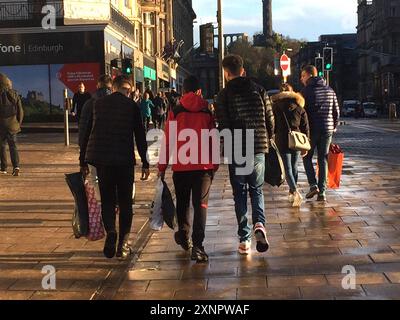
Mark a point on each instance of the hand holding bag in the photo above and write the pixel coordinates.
(297, 140)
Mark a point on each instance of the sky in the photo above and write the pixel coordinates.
(299, 19)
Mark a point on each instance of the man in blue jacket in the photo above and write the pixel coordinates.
(323, 114)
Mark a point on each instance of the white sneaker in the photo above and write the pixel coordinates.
(3, 172)
(245, 247)
(297, 199)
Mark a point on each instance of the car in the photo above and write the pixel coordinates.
(370, 109)
(351, 108)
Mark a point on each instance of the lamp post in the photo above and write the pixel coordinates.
(220, 46)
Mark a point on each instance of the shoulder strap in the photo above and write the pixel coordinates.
(287, 122)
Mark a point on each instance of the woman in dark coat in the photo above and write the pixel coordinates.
(291, 104)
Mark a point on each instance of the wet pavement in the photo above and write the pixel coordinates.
(359, 226)
(35, 228)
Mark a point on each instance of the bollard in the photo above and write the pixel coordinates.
(392, 111)
(67, 107)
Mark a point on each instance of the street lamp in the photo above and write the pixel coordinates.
(220, 46)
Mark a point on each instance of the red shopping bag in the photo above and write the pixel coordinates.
(335, 166)
(96, 229)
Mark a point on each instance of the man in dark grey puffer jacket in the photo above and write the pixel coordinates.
(244, 105)
(323, 114)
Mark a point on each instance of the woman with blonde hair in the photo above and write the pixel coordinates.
(288, 107)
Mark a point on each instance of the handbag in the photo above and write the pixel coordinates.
(80, 217)
(274, 167)
(96, 228)
(297, 140)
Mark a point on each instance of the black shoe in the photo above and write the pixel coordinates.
(321, 197)
(15, 172)
(312, 193)
(199, 255)
(186, 244)
(109, 245)
(124, 249)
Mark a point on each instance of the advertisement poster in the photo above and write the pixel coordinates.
(42, 86)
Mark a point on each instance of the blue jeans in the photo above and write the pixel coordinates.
(290, 161)
(321, 141)
(11, 139)
(254, 183)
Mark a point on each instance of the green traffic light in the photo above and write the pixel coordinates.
(328, 66)
(321, 74)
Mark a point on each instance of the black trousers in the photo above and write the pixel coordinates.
(116, 184)
(197, 184)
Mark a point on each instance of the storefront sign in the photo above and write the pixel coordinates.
(51, 48)
(150, 73)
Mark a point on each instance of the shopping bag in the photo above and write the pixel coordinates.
(274, 168)
(168, 207)
(156, 218)
(335, 166)
(80, 217)
(96, 228)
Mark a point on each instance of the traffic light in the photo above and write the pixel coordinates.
(127, 66)
(328, 59)
(115, 63)
(319, 64)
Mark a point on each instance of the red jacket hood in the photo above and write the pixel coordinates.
(192, 102)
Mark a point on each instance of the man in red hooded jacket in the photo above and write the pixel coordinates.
(190, 140)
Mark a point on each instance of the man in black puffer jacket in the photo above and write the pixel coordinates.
(323, 114)
(242, 106)
(104, 86)
(116, 119)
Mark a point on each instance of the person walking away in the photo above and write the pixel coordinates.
(288, 107)
(110, 148)
(323, 114)
(191, 178)
(11, 116)
(104, 87)
(159, 110)
(145, 108)
(244, 105)
(78, 101)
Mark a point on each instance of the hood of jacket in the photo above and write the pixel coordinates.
(292, 96)
(193, 103)
(240, 85)
(102, 92)
(316, 82)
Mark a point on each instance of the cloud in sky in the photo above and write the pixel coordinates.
(301, 19)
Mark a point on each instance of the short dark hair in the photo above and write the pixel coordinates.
(311, 70)
(104, 81)
(191, 84)
(121, 80)
(233, 63)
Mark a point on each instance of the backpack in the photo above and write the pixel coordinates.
(8, 107)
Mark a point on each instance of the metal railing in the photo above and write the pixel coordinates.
(119, 19)
(25, 11)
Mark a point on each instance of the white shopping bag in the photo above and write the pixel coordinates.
(156, 218)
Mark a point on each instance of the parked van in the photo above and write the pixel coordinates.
(351, 108)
